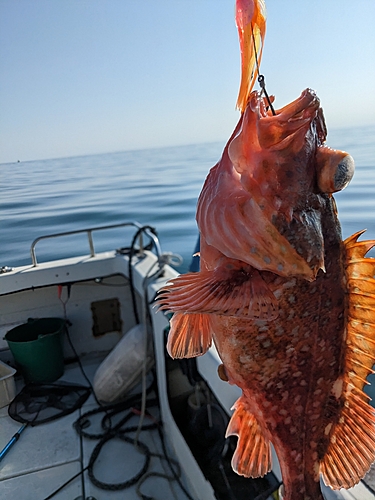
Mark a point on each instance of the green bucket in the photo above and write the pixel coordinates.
(37, 349)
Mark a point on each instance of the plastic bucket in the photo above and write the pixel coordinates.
(37, 349)
(7, 384)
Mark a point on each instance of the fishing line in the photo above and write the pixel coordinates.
(132, 252)
(67, 325)
(261, 80)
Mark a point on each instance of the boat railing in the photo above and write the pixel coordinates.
(89, 231)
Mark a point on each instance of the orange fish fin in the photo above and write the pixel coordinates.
(233, 292)
(360, 271)
(251, 25)
(190, 335)
(252, 457)
(352, 442)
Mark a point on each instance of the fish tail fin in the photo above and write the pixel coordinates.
(190, 335)
(251, 25)
(252, 457)
(352, 443)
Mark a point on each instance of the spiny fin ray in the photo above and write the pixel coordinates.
(229, 292)
(190, 335)
(352, 443)
(252, 457)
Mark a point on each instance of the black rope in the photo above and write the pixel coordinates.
(110, 411)
(111, 431)
(117, 431)
(175, 475)
(125, 484)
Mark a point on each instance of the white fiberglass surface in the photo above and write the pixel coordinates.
(47, 455)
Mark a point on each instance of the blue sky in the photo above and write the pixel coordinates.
(92, 76)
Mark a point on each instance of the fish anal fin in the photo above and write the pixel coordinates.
(231, 292)
(252, 457)
(190, 335)
(352, 441)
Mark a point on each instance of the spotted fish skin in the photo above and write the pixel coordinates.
(291, 369)
(288, 304)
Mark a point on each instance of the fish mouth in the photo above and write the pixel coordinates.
(289, 123)
(307, 103)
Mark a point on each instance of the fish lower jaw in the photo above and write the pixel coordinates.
(307, 101)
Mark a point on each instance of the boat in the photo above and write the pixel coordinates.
(143, 425)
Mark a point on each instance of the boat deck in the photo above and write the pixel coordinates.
(48, 455)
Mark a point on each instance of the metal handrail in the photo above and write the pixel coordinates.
(89, 232)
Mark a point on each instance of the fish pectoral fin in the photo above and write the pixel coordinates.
(190, 335)
(352, 441)
(230, 292)
(252, 457)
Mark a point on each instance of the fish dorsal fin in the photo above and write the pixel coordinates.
(190, 335)
(352, 443)
(252, 457)
(239, 293)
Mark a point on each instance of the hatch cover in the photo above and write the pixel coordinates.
(106, 317)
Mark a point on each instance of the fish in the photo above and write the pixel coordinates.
(289, 305)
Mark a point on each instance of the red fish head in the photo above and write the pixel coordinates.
(274, 153)
(284, 152)
(282, 164)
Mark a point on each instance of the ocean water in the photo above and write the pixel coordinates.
(159, 187)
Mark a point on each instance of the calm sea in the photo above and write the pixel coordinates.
(155, 186)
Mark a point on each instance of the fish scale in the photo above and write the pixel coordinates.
(291, 368)
(288, 304)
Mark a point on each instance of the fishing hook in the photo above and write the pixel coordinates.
(262, 85)
(261, 80)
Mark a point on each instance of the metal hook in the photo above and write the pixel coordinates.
(262, 85)
(261, 79)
